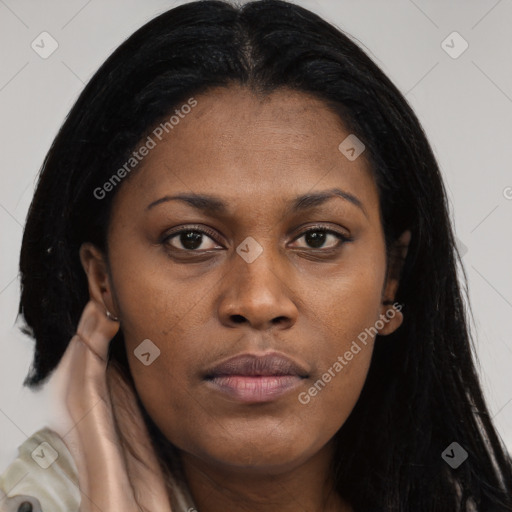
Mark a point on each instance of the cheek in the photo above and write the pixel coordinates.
(347, 306)
(165, 384)
(347, 312)
(161, 319)
(155, 300)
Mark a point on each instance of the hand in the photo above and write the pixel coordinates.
(104, 429)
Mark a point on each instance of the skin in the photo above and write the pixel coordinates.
(257, 154)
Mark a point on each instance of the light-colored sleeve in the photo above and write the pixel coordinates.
(43, 475)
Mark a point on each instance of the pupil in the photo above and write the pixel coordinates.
(315, 238)
(191, 240)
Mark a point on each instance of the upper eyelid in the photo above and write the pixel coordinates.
(318, 227)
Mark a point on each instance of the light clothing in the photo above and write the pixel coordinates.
(45, 476)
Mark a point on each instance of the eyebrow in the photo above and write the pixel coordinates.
(307, 201)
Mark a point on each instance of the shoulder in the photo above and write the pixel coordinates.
(43, 475)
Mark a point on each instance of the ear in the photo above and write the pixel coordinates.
(391, 314)
(95, 266)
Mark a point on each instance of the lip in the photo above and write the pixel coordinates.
(253, 378)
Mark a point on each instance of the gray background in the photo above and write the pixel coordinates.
(464, 104)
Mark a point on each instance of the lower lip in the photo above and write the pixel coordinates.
(255, 389)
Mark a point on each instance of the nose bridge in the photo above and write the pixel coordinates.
(256, 264)
(256, 289)
(255, 270)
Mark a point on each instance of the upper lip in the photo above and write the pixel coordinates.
(271, 364)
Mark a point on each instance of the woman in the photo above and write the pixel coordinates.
(248, 208)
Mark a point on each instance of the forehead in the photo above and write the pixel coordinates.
(244, 147)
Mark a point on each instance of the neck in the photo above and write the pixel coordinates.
(308, 486)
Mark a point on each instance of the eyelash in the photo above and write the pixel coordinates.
(195, 229)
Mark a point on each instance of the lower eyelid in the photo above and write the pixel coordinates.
(342, 238)
(337, 234)
(167, 240)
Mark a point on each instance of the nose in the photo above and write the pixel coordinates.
(258, 294)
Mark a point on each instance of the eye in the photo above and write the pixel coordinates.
(322, 238)
(191, 239)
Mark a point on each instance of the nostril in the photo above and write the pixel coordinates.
(238, 319)
(25, 507)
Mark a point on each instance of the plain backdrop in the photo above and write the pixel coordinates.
(463, 97)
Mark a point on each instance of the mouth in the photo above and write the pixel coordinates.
(251, 378)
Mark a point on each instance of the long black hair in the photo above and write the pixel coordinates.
(422, 392)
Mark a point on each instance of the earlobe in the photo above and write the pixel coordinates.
(390, 320)
(95, 267)
(391, 314)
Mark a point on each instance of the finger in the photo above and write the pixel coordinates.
(96, 330)
(84, 364)
(103, 463)
(110, 476)
(92, 439)
(81, 374)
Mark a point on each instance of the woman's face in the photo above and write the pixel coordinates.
(254, 277)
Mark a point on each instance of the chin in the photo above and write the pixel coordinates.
(252, 462)
(258, 454)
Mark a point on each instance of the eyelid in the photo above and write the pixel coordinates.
(192, 227)
(343, 237)
(326, 228)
